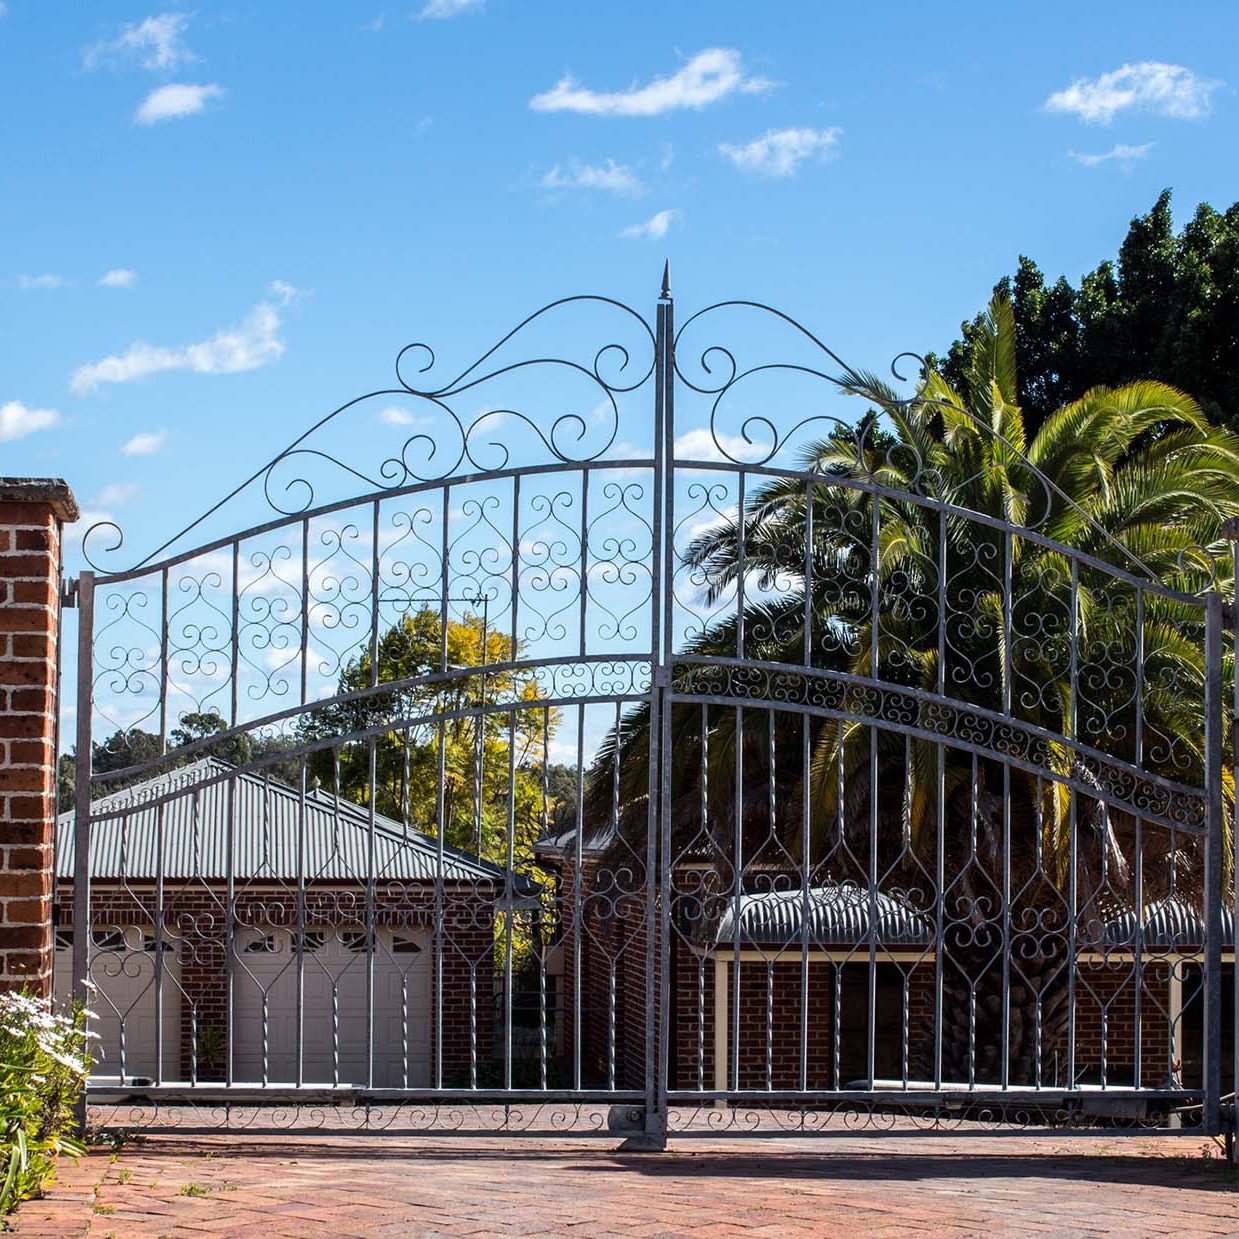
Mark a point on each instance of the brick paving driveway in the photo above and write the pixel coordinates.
(858, 1187)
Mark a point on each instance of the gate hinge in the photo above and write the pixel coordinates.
(68, 592)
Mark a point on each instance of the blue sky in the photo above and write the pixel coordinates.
(286, 193)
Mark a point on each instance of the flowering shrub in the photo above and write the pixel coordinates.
(43, 1067)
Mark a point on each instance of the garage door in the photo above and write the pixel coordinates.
(123, 971)
(334, 1007)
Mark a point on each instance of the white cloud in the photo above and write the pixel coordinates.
(255, 343)
(612, 176)
(376, 25)
(155, 43)
(434, 10)
(1122, 152)
(145, 443)
(702, 444)
(117, 494)
(177, 99)
(780, 152)
(118, 277)
(17, 420)
(4, 9)
(41, 281)
(286, 292)
(654, 228)
(394, 415)
(711, 75)
(1150, 86)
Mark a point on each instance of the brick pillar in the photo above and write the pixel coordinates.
(33, 512)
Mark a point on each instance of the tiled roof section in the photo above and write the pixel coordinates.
(1169, 924)
(835, 914)
(181, 824)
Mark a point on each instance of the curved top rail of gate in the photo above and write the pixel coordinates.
(591, 536)
(443, 442)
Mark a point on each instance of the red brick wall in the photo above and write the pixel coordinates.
(611, 927)
(32, 512)
(772, 1007)
(1106, 1023)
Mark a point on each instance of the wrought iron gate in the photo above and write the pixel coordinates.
(743, 767)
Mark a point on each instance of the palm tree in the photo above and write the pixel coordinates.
(946, 510)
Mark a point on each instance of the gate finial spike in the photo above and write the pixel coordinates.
(666, 293)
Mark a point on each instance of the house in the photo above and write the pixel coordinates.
(776, 988)
(186, 863)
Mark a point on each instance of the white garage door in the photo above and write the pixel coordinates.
(123, 972)
(334, 1007)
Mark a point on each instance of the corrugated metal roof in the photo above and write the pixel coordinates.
(837, 913)
(1169, 923)
(185, 814)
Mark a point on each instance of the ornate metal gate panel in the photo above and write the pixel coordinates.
(649, 733)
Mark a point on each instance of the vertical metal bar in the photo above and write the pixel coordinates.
(658, 832)
(372, 825)
(578, 891)
(1039, 824)
(875, 586)
(479, 733)
(1138, 949)
(875, 623)
(741, 568)
(806, 846)
(1234, 895)
(615, 834)
(701, 963)
(1214, 862)
(737, 890)
(1073, 834)
(445, 580)
(305, 609)
(543, 1048)
(235, 651)
(230, 930)
(583, 636)
(808, 575)
(516, 565)
(872, 1021)
(772, 811)
(163, 662)
(940, 814)
(81, 798)
(509, 894)
(300, 941)
(158, 927)
(371, 910)
(973, 790)
(1138, 757)
(1004, 1059)
(335, 980)
(440, 832)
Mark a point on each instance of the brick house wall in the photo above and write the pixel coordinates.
(1106, 1019)
(33, 513)
(196, 918)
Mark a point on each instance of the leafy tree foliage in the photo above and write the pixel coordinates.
(1164, 309)
(488, 758)
(133, 747)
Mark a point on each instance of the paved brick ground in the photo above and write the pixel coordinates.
(860, 1187)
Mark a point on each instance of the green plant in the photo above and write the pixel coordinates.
(44, 1063)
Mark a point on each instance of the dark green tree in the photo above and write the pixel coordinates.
(1165, 309)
